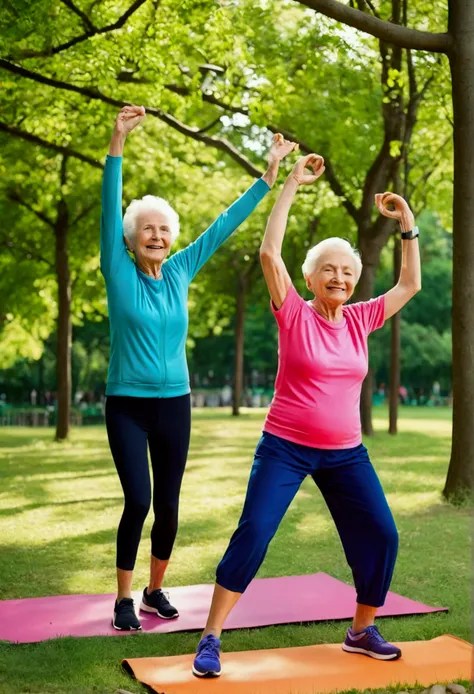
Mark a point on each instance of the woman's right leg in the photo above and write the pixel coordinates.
(275, 478)
(128, 444)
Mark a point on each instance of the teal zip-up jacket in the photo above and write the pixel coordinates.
(148, 317)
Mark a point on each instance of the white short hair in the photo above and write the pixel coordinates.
(149, 203)
(332, 244)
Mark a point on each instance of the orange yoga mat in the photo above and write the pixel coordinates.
(309, 670)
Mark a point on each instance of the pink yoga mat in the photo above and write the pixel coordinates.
(313, 598)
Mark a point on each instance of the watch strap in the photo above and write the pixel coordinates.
(410, 235)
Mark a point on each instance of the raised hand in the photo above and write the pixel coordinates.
(395, 207)
(128, 118)
(280, 148)
(314, 162)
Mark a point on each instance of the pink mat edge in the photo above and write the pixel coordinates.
(419, 608)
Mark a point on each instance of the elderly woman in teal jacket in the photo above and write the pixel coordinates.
(148, 394)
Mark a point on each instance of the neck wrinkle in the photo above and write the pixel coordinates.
(334, 315)
(152, 270)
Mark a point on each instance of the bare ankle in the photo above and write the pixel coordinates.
(152, 587)
(213, 631)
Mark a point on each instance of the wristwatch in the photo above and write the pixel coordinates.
(410, 235)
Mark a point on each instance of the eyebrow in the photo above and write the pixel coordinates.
(334, 267)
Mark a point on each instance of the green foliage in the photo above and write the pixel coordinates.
(274, 62)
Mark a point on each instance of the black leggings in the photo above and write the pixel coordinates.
(165, 423)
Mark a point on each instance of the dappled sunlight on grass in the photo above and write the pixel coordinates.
(60, 506)
(430, 427)
(69, 492)
(413, 502)
(313, 525)
(410, 460)
(411, 481)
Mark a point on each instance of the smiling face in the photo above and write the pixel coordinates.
(151, 242)
(334, 278)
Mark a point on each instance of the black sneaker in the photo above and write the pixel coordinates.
(125, 618)
(158, 602)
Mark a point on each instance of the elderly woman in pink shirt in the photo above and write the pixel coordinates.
(313, 424)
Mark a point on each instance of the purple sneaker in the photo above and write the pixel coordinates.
(370, 642)
(207, 661)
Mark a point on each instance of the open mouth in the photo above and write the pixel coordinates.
(336, 289)
(155, 248)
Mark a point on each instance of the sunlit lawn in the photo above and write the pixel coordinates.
(60, 506)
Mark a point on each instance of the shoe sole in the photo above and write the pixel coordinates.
(153, 610)
(211, 673)
(129, 628)
(371, 654)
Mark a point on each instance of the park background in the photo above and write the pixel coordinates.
(217, 80)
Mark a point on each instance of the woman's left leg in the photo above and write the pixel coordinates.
(365, 524)
(168, 441)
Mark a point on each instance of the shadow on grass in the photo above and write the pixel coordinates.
(103, 501)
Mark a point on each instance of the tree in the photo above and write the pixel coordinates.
(199, 85)
(292, 59)
(49, 206)
(456, 43)
(425, 354)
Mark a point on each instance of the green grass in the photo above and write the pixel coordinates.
(60, 505)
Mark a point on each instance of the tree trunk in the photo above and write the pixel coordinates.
(41, 400)
(239, 346)
(460, 479)
(64, 326)
(364, 292)
(395, 344)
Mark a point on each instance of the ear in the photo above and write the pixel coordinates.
(128, 244)
(308, 282)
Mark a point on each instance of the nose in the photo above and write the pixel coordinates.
(339, 276)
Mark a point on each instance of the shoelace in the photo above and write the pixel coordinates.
(126, 607)
(375, 633)
(209, 647)
(161, 594)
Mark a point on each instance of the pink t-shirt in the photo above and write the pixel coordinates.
(321, 366)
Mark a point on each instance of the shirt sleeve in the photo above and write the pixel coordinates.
(192, 258)
(370, 314)
(112, 244)
(289, 310)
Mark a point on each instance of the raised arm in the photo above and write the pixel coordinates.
(192, 258)
(112, 248)
(409, 282)
(274, 269)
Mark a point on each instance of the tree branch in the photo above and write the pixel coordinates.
(83, 214)
(25, 252)
(210, 126)
(29, 137)
(209, 98)
(333, 180)
(129, 77)
(82, 15)
(385, 31)
(14, 196)
(382, 229)
(219, 143)
(372, 9)
(83, 37)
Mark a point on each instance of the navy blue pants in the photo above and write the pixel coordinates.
(163, 425)
(355, 499)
